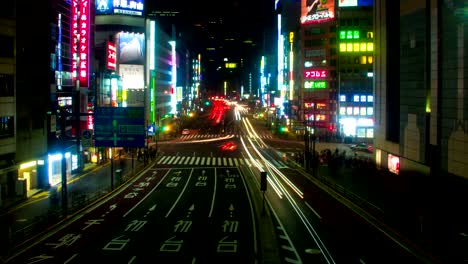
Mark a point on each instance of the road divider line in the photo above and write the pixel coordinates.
(312, 209)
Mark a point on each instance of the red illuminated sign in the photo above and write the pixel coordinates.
(315, 74)
(80, 37)
(111, 55)
(90, 123)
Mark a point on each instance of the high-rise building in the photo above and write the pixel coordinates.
(420, 96)
(355, 79)
(318, 68)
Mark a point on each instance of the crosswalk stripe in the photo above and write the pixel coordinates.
(163, 161)
(212, 161)
(171, 159)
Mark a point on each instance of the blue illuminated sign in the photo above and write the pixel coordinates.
(122, 7)
(119, 127)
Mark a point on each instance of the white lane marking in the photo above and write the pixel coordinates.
(312, 209)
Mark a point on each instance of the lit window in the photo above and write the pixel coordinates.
(342, 98)
(356, 98)
(363, 46)
(370, 110)
(355, 46)
(370, 46)
(363, 59)
(361, 132)
(370, 132)
(370, 59)
(342, 110)
(370, 35)
(356, 110)
(342, 34)
(349, 110)
(342, 47)
(349, 47)
(370, 98)
(356, 34)
(363, 111)
(349, 35)
(363, 98)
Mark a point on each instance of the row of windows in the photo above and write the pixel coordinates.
(356, 111)
(355, 34)
(356, 60)
(358, 98)
(363, 132)
(349, 22)
(357, 47)
(7, 126)
(7, 85)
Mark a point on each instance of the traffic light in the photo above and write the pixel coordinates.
(283, 129)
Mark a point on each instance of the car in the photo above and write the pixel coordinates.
(229, 146)
(186, 131)
(362, 147)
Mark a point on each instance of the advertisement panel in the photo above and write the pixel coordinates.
(132, 76)
(131, 48)
(346, 3)
(317, 11)
(80, 44)
(111, 56)
(112, 7)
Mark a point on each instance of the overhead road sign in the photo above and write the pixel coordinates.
(119, 127)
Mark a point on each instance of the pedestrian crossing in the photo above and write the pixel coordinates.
(208, 136)
(210, 161)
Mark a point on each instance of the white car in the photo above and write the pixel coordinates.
(186, 131)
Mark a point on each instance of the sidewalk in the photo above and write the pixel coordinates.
(23, 218)
(430, 212)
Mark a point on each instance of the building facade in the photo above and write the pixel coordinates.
(420, 87)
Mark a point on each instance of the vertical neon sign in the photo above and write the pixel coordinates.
(80, 36)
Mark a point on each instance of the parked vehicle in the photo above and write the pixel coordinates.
(362, 147)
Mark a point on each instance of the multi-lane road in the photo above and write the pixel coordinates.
(199, 204)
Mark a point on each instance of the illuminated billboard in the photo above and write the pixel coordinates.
(347, 3)
(131, 48)
(80, 37)
(315, 74)
(111, 56)
(315, 85)
(317, 11)
(112, 7)
(132, 76)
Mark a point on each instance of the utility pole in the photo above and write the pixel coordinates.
(77, 100)
(64, 164)
(314, 136)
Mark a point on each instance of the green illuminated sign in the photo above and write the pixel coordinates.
(349, 34)
(315, 85)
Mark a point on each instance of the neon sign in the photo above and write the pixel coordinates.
(317, 11)
(80, 36)
(111, 55)
(315, 74)
(315, 85)
(112, 7)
